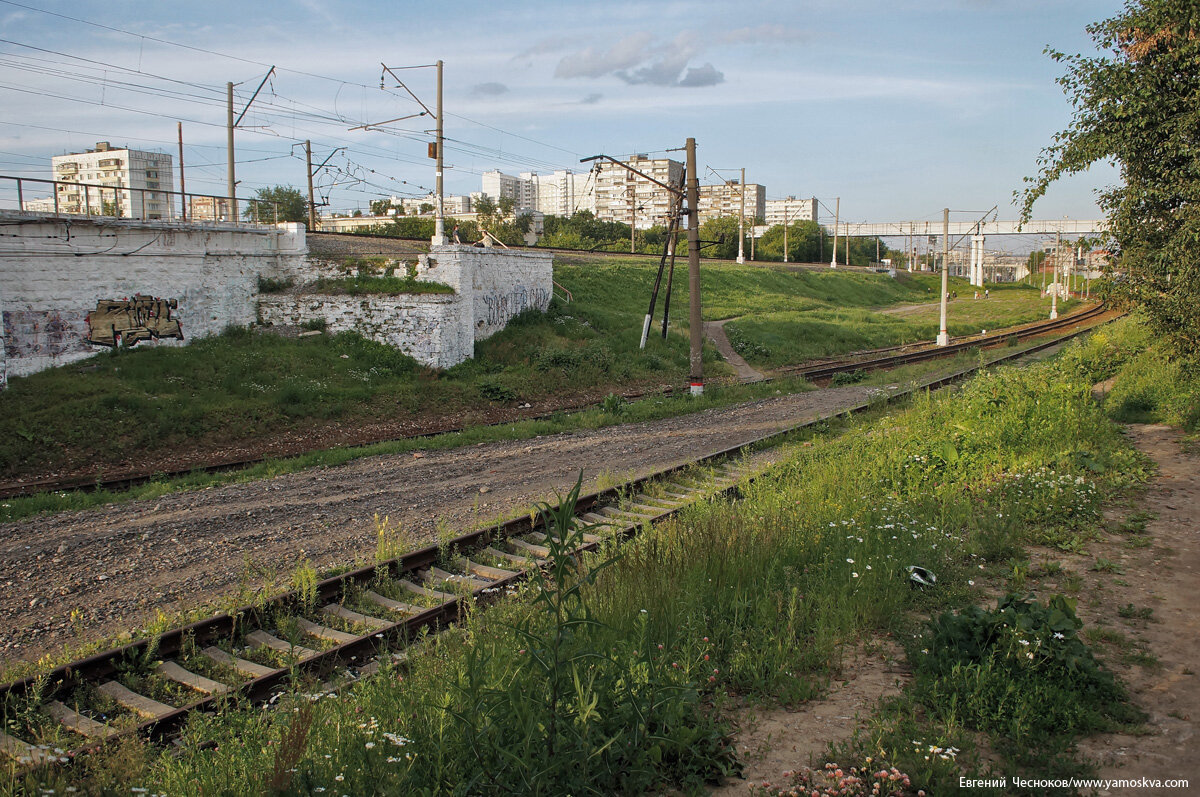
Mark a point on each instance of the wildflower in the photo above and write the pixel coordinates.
(1059, 635)
(369, 745)
(339, 777)
(855, 575)
(851, 561)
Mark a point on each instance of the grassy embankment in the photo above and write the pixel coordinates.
(218, 392)
(616, 677)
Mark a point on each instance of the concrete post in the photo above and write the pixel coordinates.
(943, 338)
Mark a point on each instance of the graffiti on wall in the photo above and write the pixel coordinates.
(128, 322)
(41, 333)
(501, 307)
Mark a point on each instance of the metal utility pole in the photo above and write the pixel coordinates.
(785, 226)
(1054, 282)
(439, 220)
(696, 380)
(847, 237)
(229, 172)
(943, 338)
(312, 204)
(182, 184)
(741, 258)
(836, 214)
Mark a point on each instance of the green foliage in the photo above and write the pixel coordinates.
(1138, 104)
(280, 203)
(272, 285)
(1021, 673)
(380, 207)
(388, 286)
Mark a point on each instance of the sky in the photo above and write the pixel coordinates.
(897, 108)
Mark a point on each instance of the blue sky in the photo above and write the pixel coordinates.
(898, 108)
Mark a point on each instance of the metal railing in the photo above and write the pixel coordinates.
(68, 197)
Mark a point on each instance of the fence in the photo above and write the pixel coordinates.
(67, 197)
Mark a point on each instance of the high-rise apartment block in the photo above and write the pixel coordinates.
(725, 199)
(624, 196)
(560, 193)
(129, 183)
(790, 210)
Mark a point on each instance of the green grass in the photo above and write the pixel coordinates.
(387, 285)
(614, 675)
(110, 410)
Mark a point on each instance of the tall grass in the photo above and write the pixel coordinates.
(611, 676)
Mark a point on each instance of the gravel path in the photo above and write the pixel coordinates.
(116, 567)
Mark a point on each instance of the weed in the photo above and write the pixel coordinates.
(1131, 612)
(304, 581)
(1103, 565)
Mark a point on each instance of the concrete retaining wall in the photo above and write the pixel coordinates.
(55, 269)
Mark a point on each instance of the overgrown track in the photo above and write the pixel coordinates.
(880, 358)
(337, 625)
(862, 361)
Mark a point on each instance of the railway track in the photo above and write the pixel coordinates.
(338, 629)
(881, 358)
(873, 359)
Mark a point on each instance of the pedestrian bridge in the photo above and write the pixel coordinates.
(1069, 227)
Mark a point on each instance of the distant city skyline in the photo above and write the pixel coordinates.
(899, 109)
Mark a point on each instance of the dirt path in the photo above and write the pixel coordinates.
(715, 331)
(780, 740)
(116, 566)
(1150, 602)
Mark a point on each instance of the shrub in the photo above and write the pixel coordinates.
(1021, 673)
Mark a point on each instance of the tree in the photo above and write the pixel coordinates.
(380, 207)
(1138, 104)
(291, 204)
(426, 207)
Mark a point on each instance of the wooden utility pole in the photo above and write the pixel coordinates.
(943, 338)
(695, 321)
(182, 184)
(229, 170)
(439, 221)
(836, 215)
(312, 204)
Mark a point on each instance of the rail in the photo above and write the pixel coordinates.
(816, 371)
(488, 561)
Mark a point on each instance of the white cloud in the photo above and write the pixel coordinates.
(638, 59)
(593, 62)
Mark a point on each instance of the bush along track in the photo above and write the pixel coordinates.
(617, 672)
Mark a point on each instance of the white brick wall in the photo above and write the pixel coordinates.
(438, 330)
(54, 272)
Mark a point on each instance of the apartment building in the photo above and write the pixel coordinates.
(725, 199)
(789, 210)
(559, 193)
(129, 183)
(624, 196)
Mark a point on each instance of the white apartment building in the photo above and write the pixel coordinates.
(560, 193)
(498, 185)
(790, 210)
(725, 199)
(626, 197)
(129, 183)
